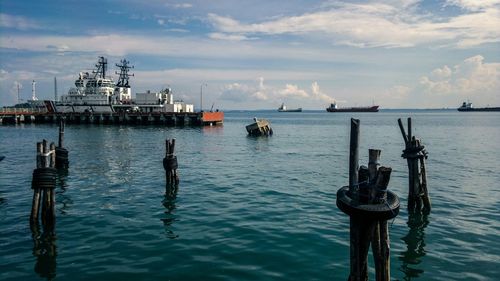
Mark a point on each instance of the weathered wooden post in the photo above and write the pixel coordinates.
(415, 154)
(170, 165)
(61, 153)
(369, 205)
(43, 184)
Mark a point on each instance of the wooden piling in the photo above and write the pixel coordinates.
(170, 165)
(354, 155)
(43, 184)
(61, 152)
(415, 154)
(369, 206)
(61, 132)
(36, 191)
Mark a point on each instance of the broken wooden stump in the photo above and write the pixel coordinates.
(369, 204)
(170, 166)
(415, 154)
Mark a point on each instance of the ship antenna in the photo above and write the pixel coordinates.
(55, 88)
(101, 65)
(124, 75)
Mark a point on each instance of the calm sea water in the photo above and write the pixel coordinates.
(249, 208)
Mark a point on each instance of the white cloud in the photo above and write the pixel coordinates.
(292, 91)
(474, 5)
(192, 47)
(17, 22)
(161, 21)
(377, 25)
(242, 93)
(317, 94)
(229, 37)
(471, 79)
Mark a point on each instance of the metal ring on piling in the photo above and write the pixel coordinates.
(44, 178)
(381, 211)
(170, 163)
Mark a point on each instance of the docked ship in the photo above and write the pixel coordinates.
(334, 108)
(97, 93)
(467, 106)
(283, 108)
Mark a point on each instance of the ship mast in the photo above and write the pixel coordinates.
(55, 88)
(124, 75)
(101, 65)
(18, 99)
(33, 92)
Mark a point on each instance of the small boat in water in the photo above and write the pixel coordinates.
(467, 106)
(334, 108)
(260, 127)
(283, 108)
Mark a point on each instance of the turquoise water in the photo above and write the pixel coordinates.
(249, 208)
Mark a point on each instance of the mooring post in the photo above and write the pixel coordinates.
(170, 165)
(354, 155)
(415, 154)
(369, 206)
(61, 132)
(43, 184)
(61, 152)
(36, 191)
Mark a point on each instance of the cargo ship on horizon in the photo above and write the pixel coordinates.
(467, 106)
(334, 108)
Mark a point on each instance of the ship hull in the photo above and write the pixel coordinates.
(480, 109)
(354, 109)
(290, 110)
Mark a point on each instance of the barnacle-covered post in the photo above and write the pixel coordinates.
(369, 206)
(415, 155)
(170, 165)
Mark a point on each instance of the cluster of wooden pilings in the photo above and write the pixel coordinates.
(43, 185)
(415, 154)
(369, 205)
(49, 161)
(44, 180)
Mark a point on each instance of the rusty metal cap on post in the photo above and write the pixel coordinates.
(379, 211)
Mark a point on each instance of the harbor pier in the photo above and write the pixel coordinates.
(118, 118)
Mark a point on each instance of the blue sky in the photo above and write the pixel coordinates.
(258, 54)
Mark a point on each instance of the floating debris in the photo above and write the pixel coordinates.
(261, 127)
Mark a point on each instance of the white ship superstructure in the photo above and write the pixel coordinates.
(95, 92)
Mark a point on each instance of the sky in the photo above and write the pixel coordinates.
(258, 54)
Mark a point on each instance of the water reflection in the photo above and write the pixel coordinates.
(45, 251)
(169, 204)
(62, 199)
(213, 130)
(415, 242)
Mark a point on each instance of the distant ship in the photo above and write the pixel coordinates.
(98, 93)
(283, 108)
(467, 106)
(334, 108)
